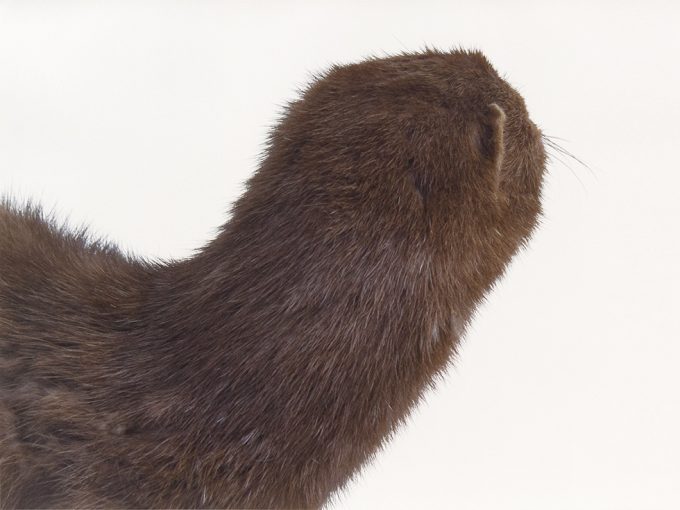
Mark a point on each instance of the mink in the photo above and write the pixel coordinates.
(268, 368)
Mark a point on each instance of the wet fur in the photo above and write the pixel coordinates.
(265, 370)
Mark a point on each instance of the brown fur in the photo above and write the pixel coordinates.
(264, 371)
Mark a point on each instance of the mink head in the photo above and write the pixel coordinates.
(433, 154)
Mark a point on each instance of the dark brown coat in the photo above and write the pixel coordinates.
(265, 370)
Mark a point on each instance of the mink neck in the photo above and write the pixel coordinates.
(334, 335)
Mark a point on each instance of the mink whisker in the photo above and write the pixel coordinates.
(554, 157)
(550, 142)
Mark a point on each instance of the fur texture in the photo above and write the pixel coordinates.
(265, 370)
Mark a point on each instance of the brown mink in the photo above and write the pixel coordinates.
(268, 368)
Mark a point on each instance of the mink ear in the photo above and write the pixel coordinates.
(492, 124)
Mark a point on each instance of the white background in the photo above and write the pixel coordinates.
(142, 119)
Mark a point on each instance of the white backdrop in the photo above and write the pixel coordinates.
(142, 119)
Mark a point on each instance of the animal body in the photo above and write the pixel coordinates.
(268, 368)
